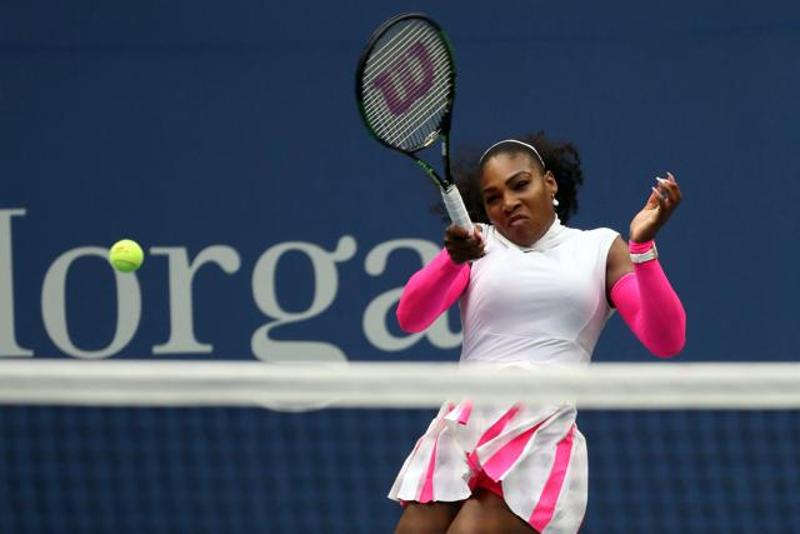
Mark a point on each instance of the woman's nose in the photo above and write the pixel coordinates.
(510, 203)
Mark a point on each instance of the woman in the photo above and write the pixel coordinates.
(531, 291)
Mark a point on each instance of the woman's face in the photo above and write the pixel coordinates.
(518, 197)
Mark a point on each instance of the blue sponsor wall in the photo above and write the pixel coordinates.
(224, 137)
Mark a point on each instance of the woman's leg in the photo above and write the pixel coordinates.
(486, 513)
(429, 518)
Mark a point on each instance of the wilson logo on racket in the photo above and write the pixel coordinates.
(401, 71)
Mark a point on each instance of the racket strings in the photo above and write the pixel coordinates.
(419, 124)
(375, 103)
(440, 60)
(395, 46)
(424, 115)
(423, 119)
(422, 122)
(438, 57)
(381, 57)
(428, 41)
(420, 138)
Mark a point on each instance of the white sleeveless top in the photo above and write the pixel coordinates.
(540, 305)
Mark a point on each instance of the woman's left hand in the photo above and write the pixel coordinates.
(663, 200)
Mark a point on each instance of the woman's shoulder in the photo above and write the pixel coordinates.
(601, 231)
(602, 236)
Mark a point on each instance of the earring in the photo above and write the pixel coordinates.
(555, 201)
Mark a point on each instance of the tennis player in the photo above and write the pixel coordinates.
(531, 291)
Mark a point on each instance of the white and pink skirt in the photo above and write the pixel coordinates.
(533, 457)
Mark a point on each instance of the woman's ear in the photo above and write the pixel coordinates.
(551, 183)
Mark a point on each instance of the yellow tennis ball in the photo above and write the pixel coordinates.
(126, 255)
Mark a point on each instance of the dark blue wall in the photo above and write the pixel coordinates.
(196, 124)
(189, 125)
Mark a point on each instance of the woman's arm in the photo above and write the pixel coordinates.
(438, 285)
(641, 291)
(646, 301)
(431, 291)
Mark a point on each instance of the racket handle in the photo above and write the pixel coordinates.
(455, 207)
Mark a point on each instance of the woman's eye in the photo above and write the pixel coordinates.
(522, 184)
(490, 199)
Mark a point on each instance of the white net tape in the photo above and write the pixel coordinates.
(400, 385)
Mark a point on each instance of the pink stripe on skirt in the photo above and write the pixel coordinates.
(498, 426)
(543, 513)
(466, 411)
(426, 495)
(502, 460)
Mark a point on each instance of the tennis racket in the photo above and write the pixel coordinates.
(405, 88)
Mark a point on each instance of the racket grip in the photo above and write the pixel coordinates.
(455, 207)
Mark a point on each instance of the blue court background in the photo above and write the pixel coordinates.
(189, 125)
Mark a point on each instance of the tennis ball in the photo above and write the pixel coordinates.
(126, 255)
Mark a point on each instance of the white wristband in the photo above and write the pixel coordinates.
(649, 255)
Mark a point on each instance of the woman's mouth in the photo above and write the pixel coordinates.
(516, 220)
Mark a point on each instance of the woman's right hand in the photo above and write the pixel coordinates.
(463, 245)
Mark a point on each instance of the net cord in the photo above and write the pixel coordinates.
(399, 385)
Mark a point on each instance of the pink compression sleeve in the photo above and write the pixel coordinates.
(650, 307)
(430, 291)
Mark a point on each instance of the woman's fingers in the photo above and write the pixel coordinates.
(674, 187)
(669, 195)
(669, 186)
(457, 233)
(463, 245)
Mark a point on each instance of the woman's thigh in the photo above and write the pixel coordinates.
(429, 518)
(486, 513)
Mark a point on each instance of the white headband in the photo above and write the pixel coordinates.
(526, 145)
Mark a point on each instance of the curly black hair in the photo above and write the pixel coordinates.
(560, 158)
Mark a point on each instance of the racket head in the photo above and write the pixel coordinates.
(406, 83)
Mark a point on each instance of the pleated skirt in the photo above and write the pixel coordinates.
(534, 457)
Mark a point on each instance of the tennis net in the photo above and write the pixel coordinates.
(234, 446)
